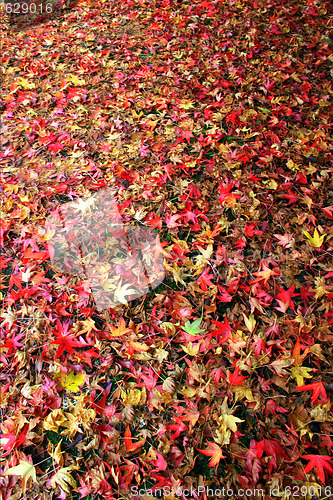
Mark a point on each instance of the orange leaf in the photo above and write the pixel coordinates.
(215, 452)
(120, 330)
(129, 445)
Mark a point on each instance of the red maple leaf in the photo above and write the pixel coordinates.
(205, 279)
(12, 343)
(224, 329)
(321, 462)
(225, 192)
(65, 340)
(10, 441)
(284, 299)
(317, 388)
(251, 231)
(272, 448)
(87, 355)
(328, 211)
(235, 378)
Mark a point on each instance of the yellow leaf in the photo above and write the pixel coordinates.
(73, 381)
(186, 105)
(192, 349)
(189, 392)
(75, 80)
(83, 205)
(250, 322)
(48, 234)
(227, 424)
(229, 421)
(54, 420)
(88, 326)
(63, 479)
(70, 381)
(299, 373)
(272, 184)
(56, 453)
(315, 241)
(206, 253)
(122, 291)
(176, 271)
(137, 115)
(135, 397)
(25, 470)
(26, 85)
(292, 165)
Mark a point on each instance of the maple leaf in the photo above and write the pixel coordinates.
(224, 329)
(264, 274)
(65, 340)
(87, 355)
(284, 299)
(171, 221)
(192, 349)
(315, 241)
(25, 469)
(299, 373)
(120, 330)
(88, 325)
(272, 448)
(235, 378)
(215, 452)
(83, 205)
(284, 239)
(25, 84)
(321, 462)
(122, 291)
(71, 381)
(205, 279)
(318, 390)
(30, 254)
(296, 354)
(12, 343)
(63, 479)
(269, 85)
(75, 80)
(193, 328)
(153, 221)
(129, 445)
(186, 104)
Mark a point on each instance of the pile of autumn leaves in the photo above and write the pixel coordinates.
(215, 133)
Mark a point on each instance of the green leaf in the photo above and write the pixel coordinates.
(264, 110)
(193, 328)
